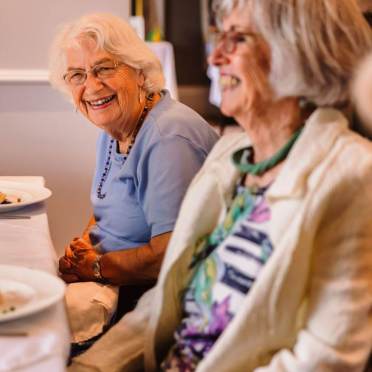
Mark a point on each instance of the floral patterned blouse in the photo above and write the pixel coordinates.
(226, 264)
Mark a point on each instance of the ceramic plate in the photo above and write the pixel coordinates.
(26, 291)
(26, 193)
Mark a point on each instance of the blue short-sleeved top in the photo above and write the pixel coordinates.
(137, 197)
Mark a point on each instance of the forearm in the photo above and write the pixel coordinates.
(86, 231)
(135, 266)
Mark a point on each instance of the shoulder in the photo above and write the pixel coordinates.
(171, 118)
(218, 166)
(355, 156)
(226, 145)
(327, 136)
(342, 161)
(103, 141)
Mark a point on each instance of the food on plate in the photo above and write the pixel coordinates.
(14, 295)
(9, 199)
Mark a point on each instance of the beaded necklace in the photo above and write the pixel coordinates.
(108, 163)
(242, 158)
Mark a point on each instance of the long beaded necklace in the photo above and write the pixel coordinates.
(108, 162)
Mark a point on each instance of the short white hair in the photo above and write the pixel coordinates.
(111, 34)
(315, 44)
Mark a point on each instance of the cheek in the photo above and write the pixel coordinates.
(76, 97)
(125, 99)
(256, 82)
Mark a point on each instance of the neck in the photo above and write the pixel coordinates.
(127, 138)
(270, 128)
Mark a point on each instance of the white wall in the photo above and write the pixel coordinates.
(42, 135)
(27, 26)
(40, 132)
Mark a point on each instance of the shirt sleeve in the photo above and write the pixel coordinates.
(165, 173)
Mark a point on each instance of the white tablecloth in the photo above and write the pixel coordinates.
(27, 243)
(164, 51)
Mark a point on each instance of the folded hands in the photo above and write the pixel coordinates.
(78, 262)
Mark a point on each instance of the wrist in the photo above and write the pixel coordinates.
(97, 268)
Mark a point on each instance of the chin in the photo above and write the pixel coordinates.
(227, 106)
(232, 108)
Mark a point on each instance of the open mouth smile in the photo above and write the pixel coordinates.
(228, 82)
(101, 102)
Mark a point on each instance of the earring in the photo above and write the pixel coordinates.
(140, 96)
(306, 105)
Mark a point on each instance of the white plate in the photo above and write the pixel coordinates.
(29, 194)
(35, 290)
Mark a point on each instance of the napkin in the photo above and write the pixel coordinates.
(90, 307)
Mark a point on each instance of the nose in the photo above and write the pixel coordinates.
(217, 56)
(92, 82)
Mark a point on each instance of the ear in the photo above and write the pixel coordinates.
(140, 78)
(362, 90)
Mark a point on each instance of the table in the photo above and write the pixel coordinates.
(27, 243)
(164, 51)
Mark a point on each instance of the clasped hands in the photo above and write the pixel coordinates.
(78, 262)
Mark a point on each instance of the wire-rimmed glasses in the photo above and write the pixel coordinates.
(228, 41)
(101, 71)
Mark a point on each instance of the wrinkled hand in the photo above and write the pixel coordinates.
(77, 263)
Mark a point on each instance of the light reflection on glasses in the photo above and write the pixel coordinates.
(228, 41)
(101, 71)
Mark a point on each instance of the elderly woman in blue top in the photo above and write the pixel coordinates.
(149, 149)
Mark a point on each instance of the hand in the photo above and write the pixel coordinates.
(77, 263)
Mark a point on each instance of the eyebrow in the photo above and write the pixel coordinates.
(102, 60)
(238, 28)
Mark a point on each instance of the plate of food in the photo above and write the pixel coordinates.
(16, 195)
(26, 291)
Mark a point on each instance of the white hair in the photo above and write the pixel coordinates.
(315, 44)
(111, 34)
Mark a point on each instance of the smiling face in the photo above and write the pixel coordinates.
(244, 70)
(111, 103)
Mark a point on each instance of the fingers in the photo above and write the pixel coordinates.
(64, 264)
(70, 278)
(65, 268)
(69, 252)
(80, 244)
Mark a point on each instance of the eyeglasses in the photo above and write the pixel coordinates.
(229, 40)
(102, 71)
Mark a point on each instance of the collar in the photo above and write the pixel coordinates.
(319, 135)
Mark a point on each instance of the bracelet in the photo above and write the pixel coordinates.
(97, 268)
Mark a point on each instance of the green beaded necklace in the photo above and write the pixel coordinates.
(242, 158)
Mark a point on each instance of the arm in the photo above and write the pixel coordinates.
(135, 266)
(165, 172)
(125, 267)
(337, 333)
(85, 235)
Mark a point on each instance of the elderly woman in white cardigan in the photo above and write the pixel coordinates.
(269, 266)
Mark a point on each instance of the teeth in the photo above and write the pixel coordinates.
(227, 81)
(101, 101)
